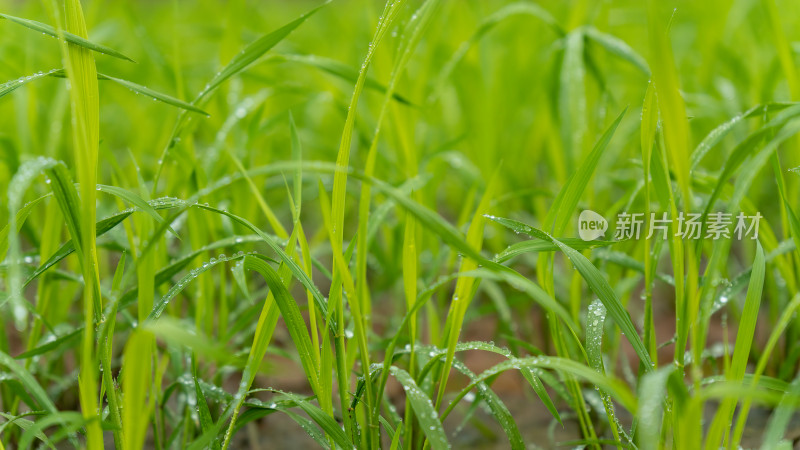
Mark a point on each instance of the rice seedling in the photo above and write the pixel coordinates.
(411, 224)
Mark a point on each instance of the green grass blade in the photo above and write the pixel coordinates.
(137, 201)
(741, 354)
(670, 101)
(779, 420)
(325, 421)
(595, 321)
(69, 37)
(539, 246)
(253, 51)
(29, 382)
(564, 205)
(343, 71)
(291, 315)
(423, 410)
(136, 380)
(155, 95)
(652, 393)
(596, 281)
(617, 47)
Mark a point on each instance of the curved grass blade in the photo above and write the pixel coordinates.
(24, 424)
(325, 421)
(343, 71)
(717, 134)
(139, 89)
(595, 321)
(618, 47)
(19, 220)
(596, 281)
(253, 51)
(561, 212)
(497, 407)
(10, 86)
(103, 226)
(240, 62)
(136, 381)
(423, 410)
(29, 382)
(65, 340)
(137, 201)
(486, 25)
(615, 388)
(652, 393)
(291, 315)
(155, 95)
(538, 246)
(530, 375)
(69, 37)
(70, 420)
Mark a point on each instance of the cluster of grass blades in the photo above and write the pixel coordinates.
(163, 262)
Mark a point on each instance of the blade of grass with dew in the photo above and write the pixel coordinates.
(20, 217)
(720, 427)
(10, 86)
(75, 39)
(325, 422)
(23, 424)
(539, 246)
(614, 387)
(424, 410)
(595, 322)
(721, 247)
(596, 281)
(498, 409)
(530, 376)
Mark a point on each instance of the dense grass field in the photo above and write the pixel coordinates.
(243, 224)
